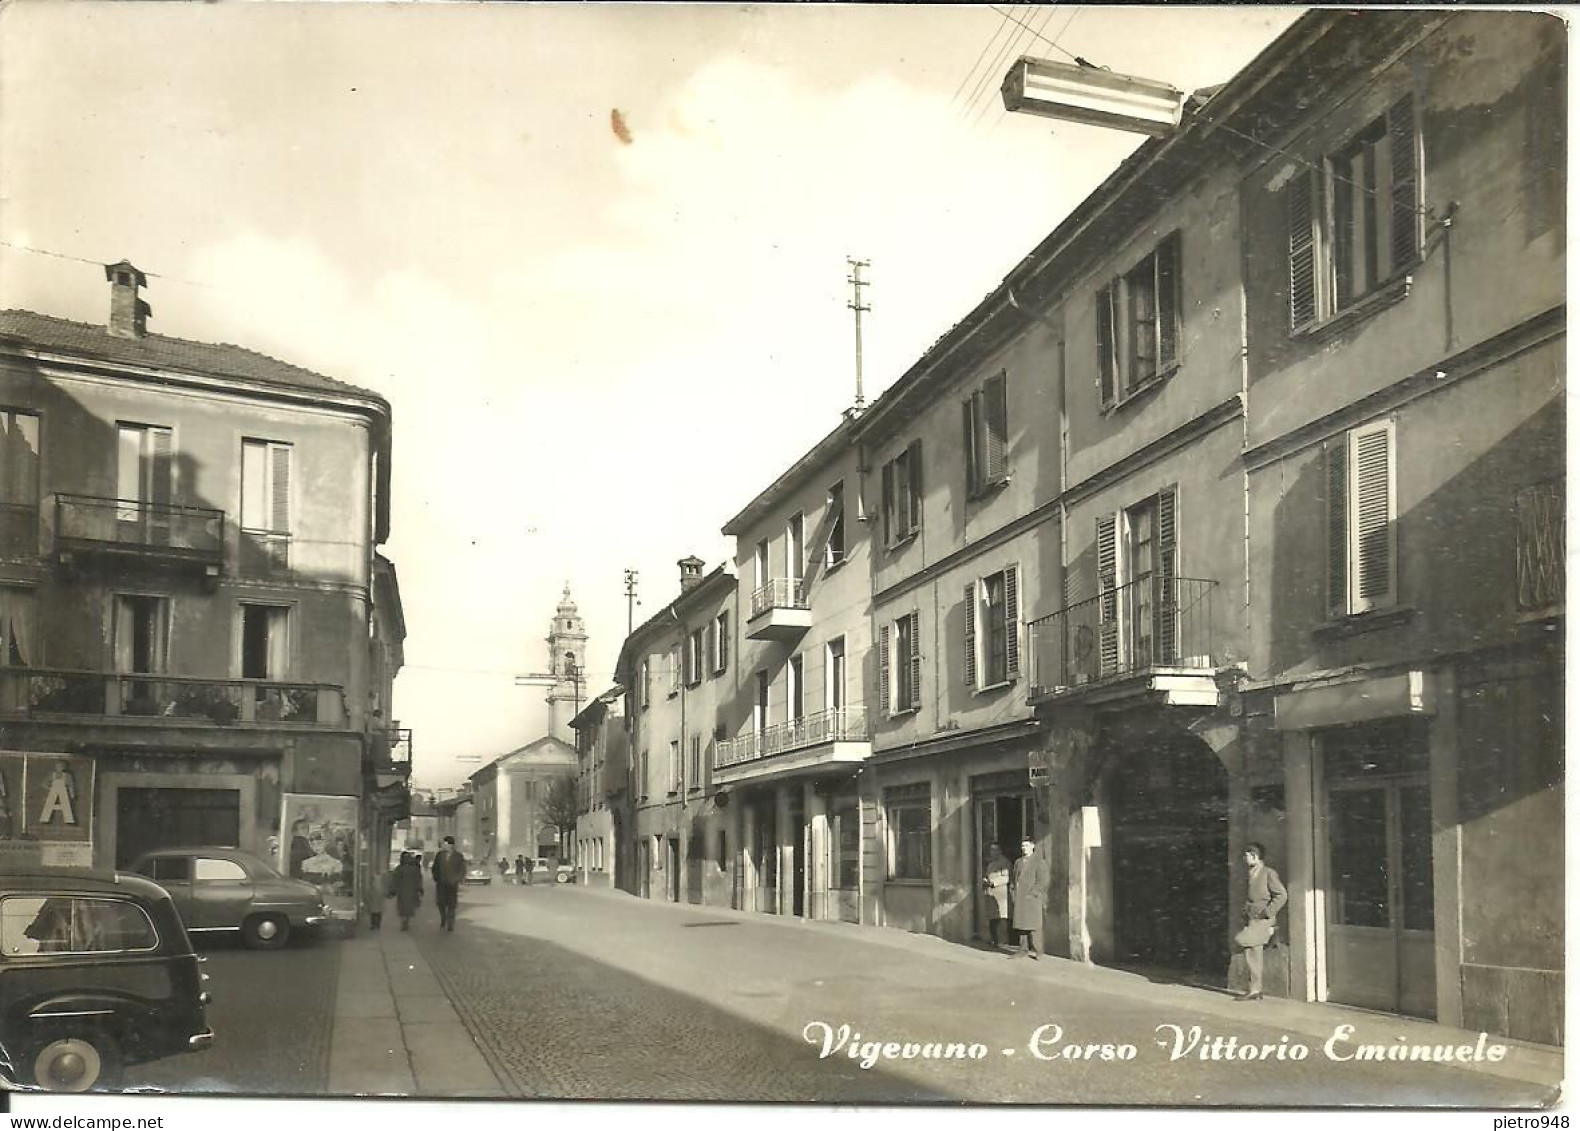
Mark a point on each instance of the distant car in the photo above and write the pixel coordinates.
(565, 874)
(225, 889)
(96, 972)
(540, 866)
(477, 874)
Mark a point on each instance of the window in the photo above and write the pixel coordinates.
(986, 416)
(646, 680)
(795, 551)
(835, 692)
(265, 503)
(529, 790)
(1138, 585)
(694, 658)
(992, 607)
(641, 775)
(846, 836)
(166, 869)
(696, 762)
(19, 473)
(902, 495)
(674, 671)
(795, 709)
(143, 476)
(1355, 226)
(1362, 540)
(208, 868)
(674, 766)
(61, 924)
(719, 644)
(834, 549)
(142, 634)
(900, 666)
(760, 711)
(910, 821)
(1138, 324)
(265, 642)
(18, 626)
(761, 564)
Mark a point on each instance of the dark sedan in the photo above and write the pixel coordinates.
(225, 889)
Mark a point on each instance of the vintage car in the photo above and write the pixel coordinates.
(96, 972)
(477, 874)
(225, 889)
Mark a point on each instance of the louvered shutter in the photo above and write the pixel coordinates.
(279, 503)
(968, 409)
(971, 635)
(160, 487)
(1168, 286)
(724, 642)
(883, 669)
(1338, 527)
(916, 661)
(914, 519)
(1300, 203)
(1166, 604)
(996, 405)
(1374, 527)
(1012, 621)
(1107, 596)
(888, 503)
(713, 647)
(1402, 157)
(1106, 347)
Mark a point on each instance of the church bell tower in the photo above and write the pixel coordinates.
(567, 641)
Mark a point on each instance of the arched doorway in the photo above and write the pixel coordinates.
(1169, 799)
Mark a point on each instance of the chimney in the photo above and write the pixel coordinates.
(690, 572)
(128, 313)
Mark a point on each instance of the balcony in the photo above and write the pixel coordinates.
(52, 693)
(805, 745)
(780, 610)
(130, 529)
(390, 756)
(1150, 640)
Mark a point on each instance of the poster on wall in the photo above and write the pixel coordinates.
(318, 843)
(46, 810)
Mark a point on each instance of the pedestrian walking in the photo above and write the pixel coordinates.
(531, 863)
(521, 868)
(1028, 890)
(406, 888)
(995, 889)
(1264, 899)
(449, 869)
(504, 866)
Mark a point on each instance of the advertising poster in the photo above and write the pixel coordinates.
(318, 843)
(46, 810)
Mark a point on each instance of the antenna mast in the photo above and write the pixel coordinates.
(856, 283)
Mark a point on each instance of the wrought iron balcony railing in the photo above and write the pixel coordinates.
(224, 702)
(88, 522)
(1539, 546)
(840, 724)
(1152, 622)
(779, 593)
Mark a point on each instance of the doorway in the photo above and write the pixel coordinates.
(798, 827)
(672, 868)
(1170, 804)
(1003, 816)
(146, 819)
(1381, 946)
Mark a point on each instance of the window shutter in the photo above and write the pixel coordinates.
(724, 641)
(888, 504)
(1166, 605)
(1107, 596)
(916, 661)
(1299, 197)
(159, 490)
(713, 647)
(280, 485)
(1374, 527)
(968, 421)
(914, 519)
(1402, 156)
(1107, 349)
(883, 669)
(996, 404)
(1012, 621)
(971, 635)
(1168, 287)
(1338, 528)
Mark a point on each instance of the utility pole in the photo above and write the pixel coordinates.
(856, 283)
(631, 601)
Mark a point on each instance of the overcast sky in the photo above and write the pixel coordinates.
(598, 347)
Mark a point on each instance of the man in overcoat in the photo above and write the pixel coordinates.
(1264, 899)
(1028, 892)
(449, 869)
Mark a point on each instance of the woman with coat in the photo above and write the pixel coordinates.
(1028, 889)
(995, 888)
(406, 887)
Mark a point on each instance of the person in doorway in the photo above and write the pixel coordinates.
(406, 887)
(1028, 889)
(995, 888)
(449, 869)
(521, 869)
(1264, 899)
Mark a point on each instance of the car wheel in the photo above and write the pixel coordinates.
(265, 932)
(77, 1062)
(562, 877)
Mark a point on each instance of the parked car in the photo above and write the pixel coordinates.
(565, 874)
(477, 874)
(96, 972)
(225, 889)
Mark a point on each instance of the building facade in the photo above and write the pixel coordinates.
(511, 801)
(601, 762)
(190, 592)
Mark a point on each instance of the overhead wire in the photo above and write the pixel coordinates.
(983, 79)
(980, 56)
(1046, 20)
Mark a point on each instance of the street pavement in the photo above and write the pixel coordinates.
(553, 991)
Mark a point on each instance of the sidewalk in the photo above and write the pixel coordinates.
(395, 1032)
(1525, 1061)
